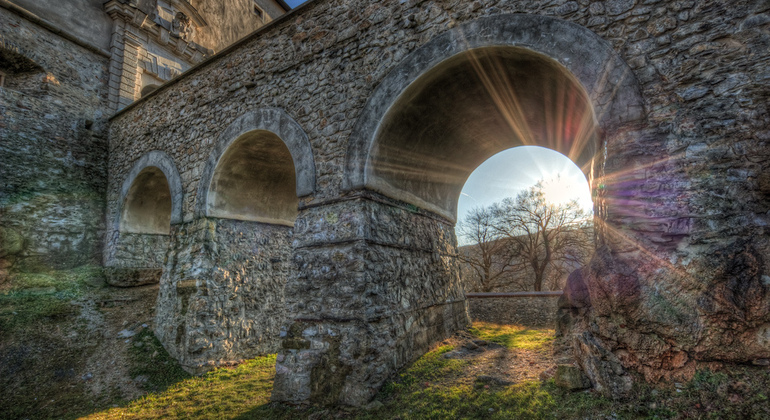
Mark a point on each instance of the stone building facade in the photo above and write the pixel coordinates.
(361, 120)
(659, 91)
(65, 67)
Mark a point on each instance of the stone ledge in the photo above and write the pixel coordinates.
(130, 277)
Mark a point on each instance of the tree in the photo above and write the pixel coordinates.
(527, 234)
(488, 257)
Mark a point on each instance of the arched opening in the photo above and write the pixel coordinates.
(470, 92)
(469, 108)
(247, 204)
(525, 222)
(147, 207)
(254, 180)
(524, 207)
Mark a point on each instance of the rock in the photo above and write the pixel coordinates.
(374, 405)
(130, 277)
(571, 378)
(319, 415)
(11, 242)
(126, 334)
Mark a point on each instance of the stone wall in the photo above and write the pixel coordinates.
(230, 21)
(85, 19)
(681, 191)
(221, 295)
(376, 285)
(53, 151)
(528, 309)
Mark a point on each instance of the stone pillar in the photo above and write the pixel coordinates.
(221, 293)
(377, 283)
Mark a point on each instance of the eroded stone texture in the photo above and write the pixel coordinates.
(221, 296)
(528, 311)
(136, 259)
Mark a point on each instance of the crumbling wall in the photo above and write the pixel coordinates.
(534, 311)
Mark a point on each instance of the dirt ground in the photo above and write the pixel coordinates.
(498, 364)
(77, 359)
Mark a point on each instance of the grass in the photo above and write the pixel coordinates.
(437, 387)
(224, 393)
(38, 361)
(40, 356)
(34, 297)
(152, 361)
(514, 336)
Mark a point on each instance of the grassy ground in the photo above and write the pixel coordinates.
(488, 372)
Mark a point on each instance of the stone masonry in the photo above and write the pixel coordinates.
(384, 108)
(678, 91)
(53, 143)
(528, 309)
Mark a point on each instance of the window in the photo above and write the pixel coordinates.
(258, 11)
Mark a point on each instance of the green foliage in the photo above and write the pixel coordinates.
(222, 393)
(42, 350)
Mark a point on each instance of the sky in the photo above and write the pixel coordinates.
(510, 171)
(294, 3)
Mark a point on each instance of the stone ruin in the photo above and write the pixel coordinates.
(297, 192)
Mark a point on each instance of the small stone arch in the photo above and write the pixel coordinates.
(164, 164)
(265, 122)
(608, 81)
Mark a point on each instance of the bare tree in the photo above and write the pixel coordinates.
(527, 234)
(488, 256)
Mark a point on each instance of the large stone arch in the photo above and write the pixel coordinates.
(135, 252)
(272, 120)
(408, 292)
(607, 80)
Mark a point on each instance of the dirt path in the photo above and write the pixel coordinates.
(499, 365)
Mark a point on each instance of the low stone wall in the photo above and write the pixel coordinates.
(529, 309)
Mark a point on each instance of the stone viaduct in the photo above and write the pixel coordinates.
(297, 191)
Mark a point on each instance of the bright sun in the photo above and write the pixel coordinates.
(513, 170)
(560, 190)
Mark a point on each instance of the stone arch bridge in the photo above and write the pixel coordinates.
(297, 192)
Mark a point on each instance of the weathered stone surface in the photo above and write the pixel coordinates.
(679, 278)
(130, 277)
(571, 378)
